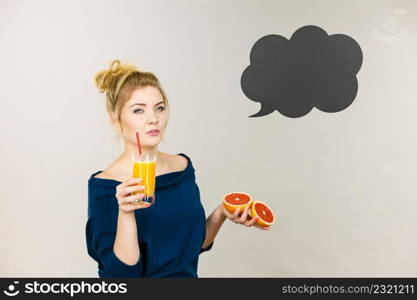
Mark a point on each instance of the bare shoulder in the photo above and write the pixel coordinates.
(103, 175)
(107, 175)
(110, 173)
(178, 162)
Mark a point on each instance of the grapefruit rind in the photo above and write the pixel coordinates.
(261, 222)
(232, 207)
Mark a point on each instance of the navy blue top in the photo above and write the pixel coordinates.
(170, 233)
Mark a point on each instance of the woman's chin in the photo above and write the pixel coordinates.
(153, 142)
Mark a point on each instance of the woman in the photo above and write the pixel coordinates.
(130, 238)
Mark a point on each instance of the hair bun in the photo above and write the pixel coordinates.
(107, 79)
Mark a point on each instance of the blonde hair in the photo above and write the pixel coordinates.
(119, 81)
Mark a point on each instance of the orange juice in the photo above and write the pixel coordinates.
(146, 171)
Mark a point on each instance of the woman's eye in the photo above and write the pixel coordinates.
(136, 110)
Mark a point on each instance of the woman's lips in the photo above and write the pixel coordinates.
(153, 132)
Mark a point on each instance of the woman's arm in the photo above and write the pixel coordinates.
(219, 215)
(213, 224)
(110, 239)
(126, 245)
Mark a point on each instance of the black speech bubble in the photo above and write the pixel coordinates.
(312, 69)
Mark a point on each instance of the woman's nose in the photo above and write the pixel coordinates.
(152, 117)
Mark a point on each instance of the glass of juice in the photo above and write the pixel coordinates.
(144, 166)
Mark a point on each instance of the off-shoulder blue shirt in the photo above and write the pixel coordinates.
(170, 233)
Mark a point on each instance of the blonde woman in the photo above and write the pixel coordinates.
(127, 237)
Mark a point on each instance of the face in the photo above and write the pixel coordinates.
(143, 112)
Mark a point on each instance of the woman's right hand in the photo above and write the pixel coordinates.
(127, 201)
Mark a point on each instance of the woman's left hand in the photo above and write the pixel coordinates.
(244, 219)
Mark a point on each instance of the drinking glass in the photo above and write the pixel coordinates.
(144, 166)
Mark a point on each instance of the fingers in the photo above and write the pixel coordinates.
(243, 219)
(132, 199)
(128, 190)
(236, 213)
(244, 216)
(132, 207)
(128, 196)
(141, 204)
(128, 182)
(133, 202)
(235, 216)
(252, 221)
(227, 213)
(125, 191)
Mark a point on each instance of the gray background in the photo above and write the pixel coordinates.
(342, 185)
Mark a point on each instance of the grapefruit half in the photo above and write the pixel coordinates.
(264, 212)
(237, 200)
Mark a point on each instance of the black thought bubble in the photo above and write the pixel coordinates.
(312, 69)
